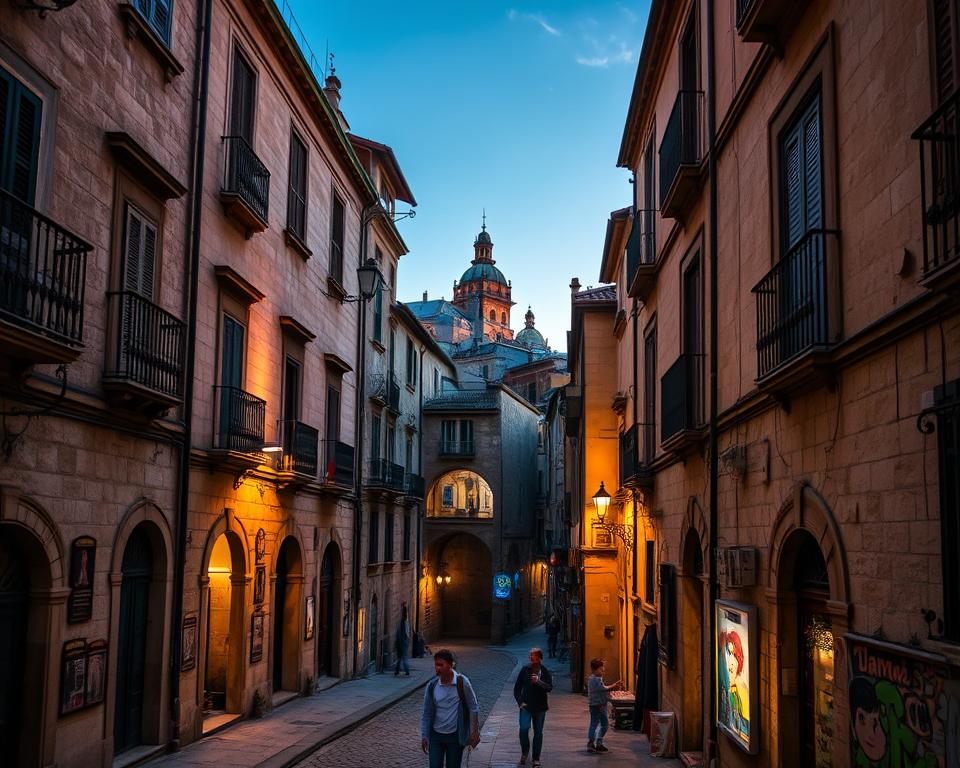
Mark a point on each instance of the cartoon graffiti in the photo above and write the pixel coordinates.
(902, 708)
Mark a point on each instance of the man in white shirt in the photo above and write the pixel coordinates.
(451, 716)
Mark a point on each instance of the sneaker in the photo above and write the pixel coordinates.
(601, 748)
(591, 747)
(522, 760)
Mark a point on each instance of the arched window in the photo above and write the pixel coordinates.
(493, 316)
(503, 318)
(460, 493)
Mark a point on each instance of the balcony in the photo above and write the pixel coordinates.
(238, 421)
(300, 448)
(43, 270)
(642, 264)
(939, 139)
(339, 465)
(681, 405)
(414, 486)
(793, 317)
(633, 472)
(245, 193)
(384, 475)
(145, 357)
(385, 390)
(681, 154)
(456, 448)
(768, 21)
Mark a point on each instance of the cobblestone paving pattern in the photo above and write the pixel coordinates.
(392, 738)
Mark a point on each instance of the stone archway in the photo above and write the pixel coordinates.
(285, 618)
(33, 594)
(466, 602)
(807, 589)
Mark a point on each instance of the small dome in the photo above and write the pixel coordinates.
(483, 270)
(483, 238)
(531, 337)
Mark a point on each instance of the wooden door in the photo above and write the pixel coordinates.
(326, 644)
(14, 587)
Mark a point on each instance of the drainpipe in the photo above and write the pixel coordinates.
(198, 146)
(358, 440)
(714, 465)
(419, 505)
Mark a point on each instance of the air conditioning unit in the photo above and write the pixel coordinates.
(739, 566)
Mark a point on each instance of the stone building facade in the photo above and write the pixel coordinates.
(787, 354)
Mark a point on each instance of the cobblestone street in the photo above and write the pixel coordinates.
(392, 738)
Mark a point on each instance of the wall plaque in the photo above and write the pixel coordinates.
(83, 554)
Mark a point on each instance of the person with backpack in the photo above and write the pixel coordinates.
(450, 719)
(533, 684)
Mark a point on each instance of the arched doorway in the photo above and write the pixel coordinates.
(466, 601)
(137, 573)
(328, 601)
(691, 643)
(223, 677)
(286, 617)
(14, 619)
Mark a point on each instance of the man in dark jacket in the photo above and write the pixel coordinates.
(533, 684)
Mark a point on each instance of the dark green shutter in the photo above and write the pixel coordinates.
(297, 193)
(21, 111)
(944, 18)
(231, 373)
(801, 176)
(243, 91)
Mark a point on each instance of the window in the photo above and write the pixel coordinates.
(378, 304)
(373, 538)
(291, 389)
(231, 359)
(649, 216)
(337, 227)
(297, 191)
(391, 439)
(139, 252)
(436, 381)
(456, 436)
(649, 569)
(20, 112)
(388, 538)
(493, 316)
(801, 182)
(944, 34)
(411, 363)
(650, 395)
(693, 340)
(503, 318)
(407, 526)
(243, 98)
(947, 400)
(409, 454)
(532, 392)
(157, 14)
(375, 426)
(333, 414)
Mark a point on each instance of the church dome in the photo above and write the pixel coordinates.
(530, 337)
(483, 270)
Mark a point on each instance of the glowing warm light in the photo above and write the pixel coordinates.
(272, 448)
(601, 500)
(439, 579)
(447, 578)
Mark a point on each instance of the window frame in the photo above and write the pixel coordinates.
(335, 268)
(298, 195)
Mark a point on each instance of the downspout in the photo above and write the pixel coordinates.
(419, 506)
(714, 464)
(198, 152)
(358, 440)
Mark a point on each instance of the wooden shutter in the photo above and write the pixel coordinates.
(241, 107)
(140, 251)
(20, 112)
(336, 239)
(231, 371)
(944, 38)
(801, 183)
(297, 196)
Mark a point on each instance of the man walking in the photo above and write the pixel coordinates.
(451, 716)
(401, 644)
(533, 684)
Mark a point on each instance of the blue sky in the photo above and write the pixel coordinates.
(515, 108)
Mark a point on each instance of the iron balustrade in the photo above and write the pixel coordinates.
(939, 138)
(792, 303)
(414, 485)
(456, 447)
(150, 344)
(681, 396)
(43, 270)
(246, 176)
(300, 447)
(683, 139)
(240, 420)
(382, 473)
(743, 10)
(339, 459)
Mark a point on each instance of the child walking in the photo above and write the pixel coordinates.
(598, 695)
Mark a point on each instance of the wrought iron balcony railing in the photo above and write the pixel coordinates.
(339, 459)
(939, 138)
(43, 270)
(150, 345)
(792, 310)
(382, 473)
(414, 485)
(300, 447)
(456, 448)
(683, 146)
(642, 253)
(239, 420)
(246, 176)
(681, 397)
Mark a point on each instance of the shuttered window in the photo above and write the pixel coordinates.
(242, 98)
(944, 33)
(139, 252)
(20, 111)
(336, 239)
(297, 193)
(801, 163)
(157, 14)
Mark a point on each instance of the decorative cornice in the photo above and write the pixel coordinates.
(147, 170)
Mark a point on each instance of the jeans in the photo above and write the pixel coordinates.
(402, 651)
(598, 721)
(444, 750)
(536, 718)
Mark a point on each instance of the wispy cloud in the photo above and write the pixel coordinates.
(603, 59)
(536, 18)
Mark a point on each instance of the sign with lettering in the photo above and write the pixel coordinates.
(903, 708)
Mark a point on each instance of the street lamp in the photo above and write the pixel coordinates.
(601, 500)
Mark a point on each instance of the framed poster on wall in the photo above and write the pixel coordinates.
(737, 674)
(256, 637)
(73, 676)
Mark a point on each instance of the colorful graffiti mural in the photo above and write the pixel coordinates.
(904, 711)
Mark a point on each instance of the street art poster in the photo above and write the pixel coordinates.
(904, 711)
(502, 586)
(737, 673)
(188, 657)
(311, 610)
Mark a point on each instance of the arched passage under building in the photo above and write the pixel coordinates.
(460, 493)
(465, 600)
